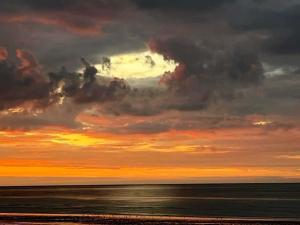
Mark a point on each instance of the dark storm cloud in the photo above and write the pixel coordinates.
(181, 5)
(274, 24)
(284, 87)
(15, 5)
(48, 5)
(207, 72)
(126, 25)
(226, 78)
(85, 88)
(97, 28)
(277, 20)
(22, 83)
(27, 83)
(238, 64)
(219, 63)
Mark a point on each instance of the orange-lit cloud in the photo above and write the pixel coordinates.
(59, 20)
(83, 18)
(3, 53)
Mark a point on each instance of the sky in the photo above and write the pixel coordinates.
(149, 91)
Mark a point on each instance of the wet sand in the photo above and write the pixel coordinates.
(36, 219)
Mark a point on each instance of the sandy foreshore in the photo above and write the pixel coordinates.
(28, 218)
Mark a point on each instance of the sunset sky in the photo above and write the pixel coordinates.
(186, 91)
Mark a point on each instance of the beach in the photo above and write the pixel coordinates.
(68, 219)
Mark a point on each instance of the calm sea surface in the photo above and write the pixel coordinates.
(213, 200)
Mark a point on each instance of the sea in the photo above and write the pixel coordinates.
(267, 201)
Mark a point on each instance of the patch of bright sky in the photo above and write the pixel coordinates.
(137, 65)
(271, 71)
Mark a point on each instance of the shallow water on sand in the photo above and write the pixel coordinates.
(206, 200)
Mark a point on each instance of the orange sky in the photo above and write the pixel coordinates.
(63, 155)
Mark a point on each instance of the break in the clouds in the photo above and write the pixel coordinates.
(223, 53)
(155, 68)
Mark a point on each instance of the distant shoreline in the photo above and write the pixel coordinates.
(110, 219)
